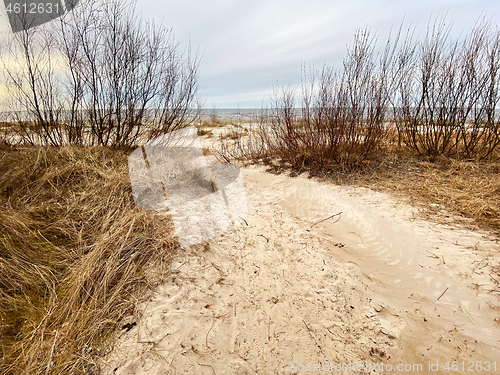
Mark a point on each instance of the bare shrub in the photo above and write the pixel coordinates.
(439, 96)
(340, 121)
(448, 93)
(29, 67)
(117, 79)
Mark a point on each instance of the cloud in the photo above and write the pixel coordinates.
(247, 46)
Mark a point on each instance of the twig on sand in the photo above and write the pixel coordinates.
(201, 364)
(206, 338)
(329, 217)
(264, 237)
(312, 336)
(438, 257)
(442, 294)
(433, 255)
(360, 238)
(468, 316)
(218, 268)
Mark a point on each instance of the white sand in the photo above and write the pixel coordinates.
(280, 289)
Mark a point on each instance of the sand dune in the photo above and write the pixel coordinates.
(373, 286)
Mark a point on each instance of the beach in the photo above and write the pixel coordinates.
(324, 276)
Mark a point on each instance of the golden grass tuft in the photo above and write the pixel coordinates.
(469, 189)
(75, 252)
(201, 132)
(216, 123)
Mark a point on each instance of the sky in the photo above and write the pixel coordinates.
(249, 47)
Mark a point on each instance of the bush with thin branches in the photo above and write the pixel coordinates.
(447, 98)
(99, 75)
(439, 96)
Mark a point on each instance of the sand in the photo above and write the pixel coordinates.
(373, 288)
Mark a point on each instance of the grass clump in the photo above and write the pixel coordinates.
(74, 253)
(215, 123)
(445, 189)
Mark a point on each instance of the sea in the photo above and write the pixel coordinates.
(241, 114)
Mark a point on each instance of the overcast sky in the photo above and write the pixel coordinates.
(247, 47)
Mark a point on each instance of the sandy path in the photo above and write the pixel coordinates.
(280, 291)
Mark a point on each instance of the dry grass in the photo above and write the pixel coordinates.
(233, 135)
(216, 123)
(75, 252)
(202, 132)
(469, 189)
